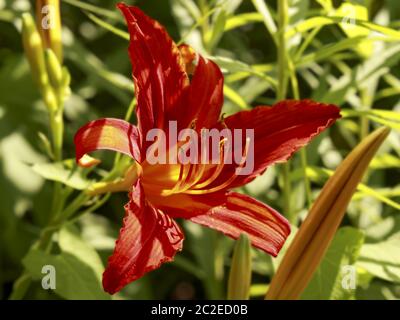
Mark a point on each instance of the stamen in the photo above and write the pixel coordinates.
(193, 124)
(218, 170)
(191, 174)
(222, 120)
(197, 176)
(228, 181)
(183, 174)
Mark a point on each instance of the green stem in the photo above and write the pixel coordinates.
(78, 202)
(131, 108)
(22, 284)
(310, 37)
(287, 189)
(303, 151)
(128, 116)
(281, 50)
(281, 93)
(204, 26)
(57, 131)
(364, 121)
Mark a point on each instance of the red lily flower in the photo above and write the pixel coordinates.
(170, 86)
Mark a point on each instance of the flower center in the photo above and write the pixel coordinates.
(166, 180)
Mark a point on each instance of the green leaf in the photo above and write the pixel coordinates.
(350, 11)
(382, 259)
(321, 175)
(232, 66)
(243, 19)
(209, 250)
(115, 83)
(109, 27)
(386, 117)
(327, 51)
(298, 10)
(63, 172)
(78, 268)
(326, 283)
(70, 242)
(263, 9)
(370, 70)
(319, 21)
(97, 10)
(217, 30)
(232, 95)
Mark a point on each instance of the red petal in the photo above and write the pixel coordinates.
(202, 102)
(279, 131)
(157, 66)
(109, 134)
(147, 239)
(232, 214)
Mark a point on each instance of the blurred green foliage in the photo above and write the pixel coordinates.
(354, 66)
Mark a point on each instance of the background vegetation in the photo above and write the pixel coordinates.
(356, 67)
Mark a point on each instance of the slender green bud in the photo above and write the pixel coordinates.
(54, 69)
(50, 99)
(66, 78)
(65, 90)
(34, 51)
(240, 274)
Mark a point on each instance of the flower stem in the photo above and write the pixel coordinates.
(281, 49)
(303, 151)
(366, 105)
(281, 93)
(128, 116)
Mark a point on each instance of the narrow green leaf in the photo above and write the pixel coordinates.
(386, 117)
(97, 10)
(327, 51)
(235, 98)
(243, 19)
(238, 66)
(321, 174)
(109, 27)
(319, 21)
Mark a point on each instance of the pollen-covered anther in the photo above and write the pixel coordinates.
(193, 124)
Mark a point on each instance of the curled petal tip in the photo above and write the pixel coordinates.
(87, 161)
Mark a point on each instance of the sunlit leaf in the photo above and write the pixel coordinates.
(382, 259)
(327, 282)
(63, 172)
(77, 269)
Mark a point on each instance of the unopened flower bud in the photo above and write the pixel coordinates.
(34, 51)
(54, 69)
(49, 24)
(240, 274)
